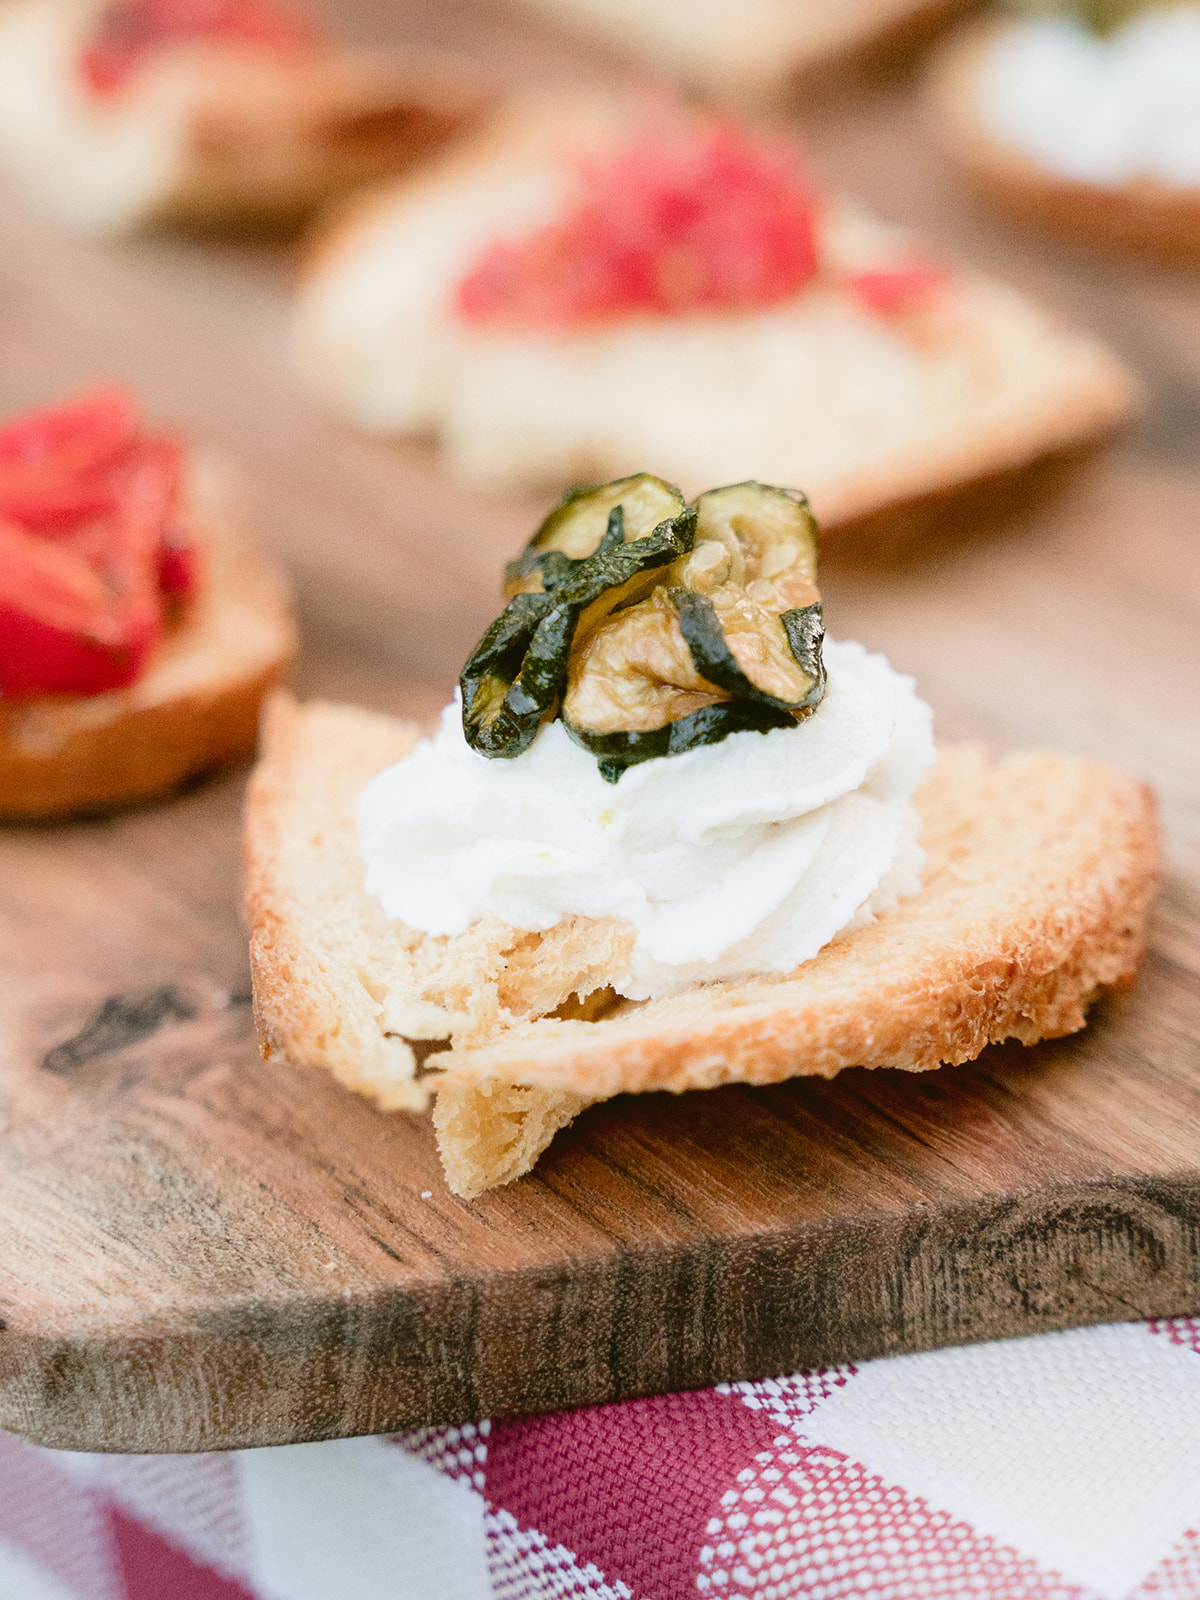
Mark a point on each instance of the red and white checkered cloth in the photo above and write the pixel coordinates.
(1065, 1467)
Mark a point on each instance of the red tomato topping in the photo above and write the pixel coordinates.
(129, 30)
(891, 291)
(91, 546)
(700, 217)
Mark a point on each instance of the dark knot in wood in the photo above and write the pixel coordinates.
(123, 1020)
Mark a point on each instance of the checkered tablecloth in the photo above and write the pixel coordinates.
(1065, 1467)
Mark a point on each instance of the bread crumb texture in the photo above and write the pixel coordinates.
(1041, 870)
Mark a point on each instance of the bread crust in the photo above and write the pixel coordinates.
(194, 711)
(1041, 871)
(1155, 218)
(318, 946)
(954, 512)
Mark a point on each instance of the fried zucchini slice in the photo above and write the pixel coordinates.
(752, 653)
(635, 673)
(517, 673)
(583, 525)
(492, 715)
(616, 752)
(635, 692)
(656, 626)
(771, 538)
(747, 596)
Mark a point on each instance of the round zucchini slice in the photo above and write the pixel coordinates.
(751, 652)
(747, 597)
(634, 673)
(517, 674)
(769, 536)
(586, 523)
(493, 725)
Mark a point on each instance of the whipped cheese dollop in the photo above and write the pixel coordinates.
(732, 859)
(1101, 110)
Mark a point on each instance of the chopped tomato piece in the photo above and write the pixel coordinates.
(91, 544)
(56, 466)
(891, 291)
(127, 31)
(63, 630)
(700, 217)
(178, 570)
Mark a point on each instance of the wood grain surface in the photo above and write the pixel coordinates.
(201, 1250)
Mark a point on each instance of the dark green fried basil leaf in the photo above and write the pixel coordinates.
(704, 628)
(583, 525)
(617, 752)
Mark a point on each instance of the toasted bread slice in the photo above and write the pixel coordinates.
(1148, 215)
(1041, 869)
(744, 50)
(207, 136)
(880, 418)
(196, 708)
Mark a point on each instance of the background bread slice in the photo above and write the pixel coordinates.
(743, 50)
(1040, 875)
(881, 419)
(196, 708)
(1156, 218)
(212, 137)
(349, 119)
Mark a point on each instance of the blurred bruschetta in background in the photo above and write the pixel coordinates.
(120, 113)
(138, 633)
(590, 282)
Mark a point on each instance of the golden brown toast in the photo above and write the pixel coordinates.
(1040, 873)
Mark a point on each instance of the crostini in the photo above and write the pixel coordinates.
(118, 114)
(669, 837)
(138, 634)
(583, 285)
(1085, 122)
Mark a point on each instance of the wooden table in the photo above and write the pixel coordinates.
(203, 1250)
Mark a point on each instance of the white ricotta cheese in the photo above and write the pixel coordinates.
(737, 858)
(1101, 110)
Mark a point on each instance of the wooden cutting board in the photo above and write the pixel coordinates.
(202, 1250)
